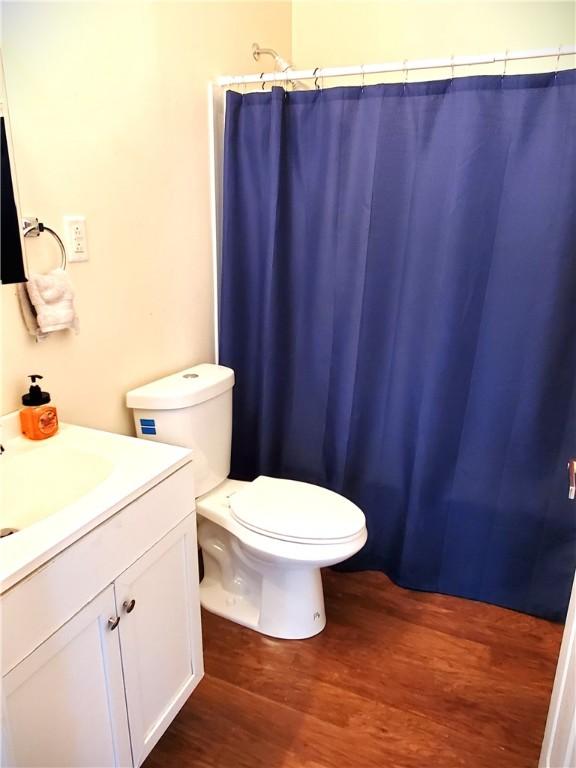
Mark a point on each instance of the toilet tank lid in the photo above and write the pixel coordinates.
(182, 389)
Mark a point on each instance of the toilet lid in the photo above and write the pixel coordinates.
(295, 511)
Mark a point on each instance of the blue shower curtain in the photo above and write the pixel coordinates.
(398, 300)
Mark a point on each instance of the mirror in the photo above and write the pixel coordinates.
(11, 252)
(11, 262)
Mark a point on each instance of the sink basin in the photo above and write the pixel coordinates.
(52, 492)
(37, 483)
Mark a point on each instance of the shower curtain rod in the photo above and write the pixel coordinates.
(396, 66)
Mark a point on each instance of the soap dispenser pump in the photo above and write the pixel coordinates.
(38, 419)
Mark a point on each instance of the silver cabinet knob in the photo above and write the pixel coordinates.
(113, 623)
(128, 605)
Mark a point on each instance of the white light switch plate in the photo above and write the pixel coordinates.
(76, 240)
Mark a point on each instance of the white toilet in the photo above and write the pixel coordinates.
(263, 542)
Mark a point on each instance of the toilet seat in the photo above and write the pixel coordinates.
(294, 511)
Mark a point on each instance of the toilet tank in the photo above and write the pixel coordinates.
(192, 408)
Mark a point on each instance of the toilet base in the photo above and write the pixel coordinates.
(291, 608)
(282, 599)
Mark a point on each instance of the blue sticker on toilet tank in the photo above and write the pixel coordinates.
(148, 426)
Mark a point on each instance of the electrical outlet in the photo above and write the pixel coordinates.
(76, 241)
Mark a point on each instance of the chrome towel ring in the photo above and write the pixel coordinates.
(34, 228)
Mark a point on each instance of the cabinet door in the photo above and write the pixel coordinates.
(63, 705)
(160, 634)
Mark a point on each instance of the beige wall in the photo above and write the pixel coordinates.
(108, 108)
(334, 32)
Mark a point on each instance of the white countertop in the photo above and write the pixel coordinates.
(78, 478)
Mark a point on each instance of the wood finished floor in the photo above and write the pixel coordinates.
(398, 679)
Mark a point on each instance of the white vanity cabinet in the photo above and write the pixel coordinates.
(103, 643)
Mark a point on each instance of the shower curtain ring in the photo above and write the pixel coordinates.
(405, 63)
(263, 82)
(558, 61)
(315, 76)
(363, 78)
(452, 66)
(505, 65)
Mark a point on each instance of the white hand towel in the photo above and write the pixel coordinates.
(29, 313)
(52, 296)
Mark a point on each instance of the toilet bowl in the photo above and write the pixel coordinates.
(263, 545)
(263, 542)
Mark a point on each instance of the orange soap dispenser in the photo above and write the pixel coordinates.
(38, 419)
